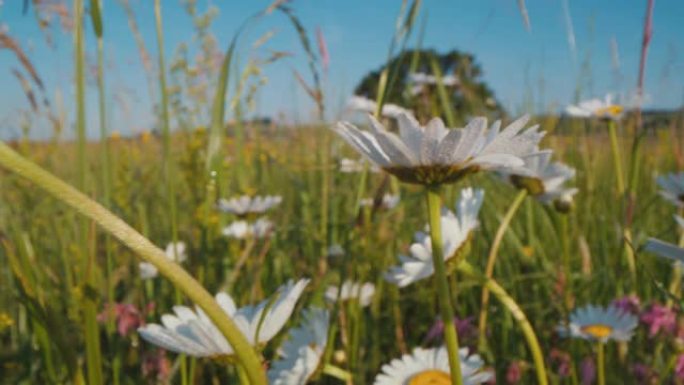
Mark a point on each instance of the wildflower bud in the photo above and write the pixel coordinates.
(534, 186)
(564, 204)
(340, 357)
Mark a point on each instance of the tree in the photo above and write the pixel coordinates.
(469, 94)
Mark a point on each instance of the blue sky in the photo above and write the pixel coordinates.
(518, 64)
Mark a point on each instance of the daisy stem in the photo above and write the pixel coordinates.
(337, 372)
(442, 285)
(600, 363)
(113, 225)
(491, 260)
(617, 159)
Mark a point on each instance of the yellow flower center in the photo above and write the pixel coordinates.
(597, 331)
(534, 186)
(431, 174)
(613, 110)
(5, 321)
(431, 377)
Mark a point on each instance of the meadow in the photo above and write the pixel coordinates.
(74, 295)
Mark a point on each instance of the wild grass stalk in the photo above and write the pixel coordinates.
(168, 160)
(89, 264)
(491, 261)
(169, 174)
(96, 18)
(246, 355)
(444, 97)
(520, 317)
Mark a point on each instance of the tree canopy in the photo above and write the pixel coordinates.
(411, 84)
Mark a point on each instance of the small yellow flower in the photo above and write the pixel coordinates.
(115, 135)
(528, 251)
(145, 137)
(5, 321)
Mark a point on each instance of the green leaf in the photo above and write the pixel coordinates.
(96, 17)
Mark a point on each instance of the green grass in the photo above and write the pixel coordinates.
(58, 269)
(40, 289)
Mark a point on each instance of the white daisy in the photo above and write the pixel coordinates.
(193, 333)
(246, 205)
(242, 229)
(431, 367)
(351, 290)
(363, 104)
(348, 166)
(335, 251)
(262, 228)
(433, 154)
(425, 79)
(541, 178)
(456, 230)
(388, 202)
(176, 252)
(421, 80)
(664, 249)
(366, 202)
(300, 355)
(600, 324)
(148, 270)
(237, 229)
(597, 108)
(672, 186)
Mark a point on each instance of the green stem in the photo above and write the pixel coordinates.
(91, 327)
(337, 372)
(567, 264)
(166, 130)
(600, 363)
(168, 165)
(442, 285)
(242, 375)
(491, 261)
(615, 147)
(145, 249)
(635, 165)
(106, 176)
(517, 313)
